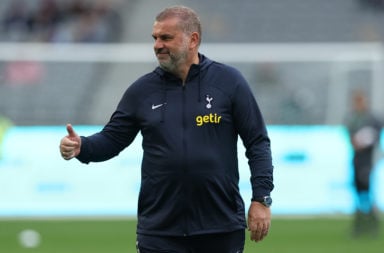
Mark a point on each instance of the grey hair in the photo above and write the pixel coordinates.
(190, 21)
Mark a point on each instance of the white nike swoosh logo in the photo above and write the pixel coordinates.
(157, 106)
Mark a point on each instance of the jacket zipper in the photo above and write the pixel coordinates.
(185, 168)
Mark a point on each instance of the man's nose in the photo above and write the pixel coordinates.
(158, 44)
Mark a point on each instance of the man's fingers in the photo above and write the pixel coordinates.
(258, 235)
(259, 231)
(67, 156)
(70, 131)
(67, 143)
(255, 235)
(68, 148)
(70, 144)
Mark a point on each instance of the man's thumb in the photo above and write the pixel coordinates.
(70, 131)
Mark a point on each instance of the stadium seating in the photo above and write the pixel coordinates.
(95, 88)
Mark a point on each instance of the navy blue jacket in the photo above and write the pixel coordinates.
(190, 167)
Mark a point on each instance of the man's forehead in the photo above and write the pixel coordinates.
(168, 22)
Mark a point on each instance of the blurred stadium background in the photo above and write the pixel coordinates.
(72, 60)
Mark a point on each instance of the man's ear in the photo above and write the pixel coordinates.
(195, 40)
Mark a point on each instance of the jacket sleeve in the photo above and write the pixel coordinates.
(119, 132)
(252, 130)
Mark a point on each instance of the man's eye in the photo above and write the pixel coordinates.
(162, 37)
(166, 37)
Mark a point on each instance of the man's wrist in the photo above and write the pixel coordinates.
(265, 200)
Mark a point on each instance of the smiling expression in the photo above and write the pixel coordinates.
(171, 44)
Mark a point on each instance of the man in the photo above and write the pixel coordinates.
(5, 124)
(190, 111)
(364, 132)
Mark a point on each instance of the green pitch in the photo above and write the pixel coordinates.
(316, 235)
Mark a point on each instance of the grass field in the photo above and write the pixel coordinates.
(287, 235)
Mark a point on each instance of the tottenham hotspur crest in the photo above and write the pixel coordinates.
(209, 99)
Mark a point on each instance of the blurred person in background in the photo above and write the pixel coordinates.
(111, 18)
(96, 22)
(190, 111)
(16, 22)
(364, 132)
(45, 20)
(63, 21)
(5, 124)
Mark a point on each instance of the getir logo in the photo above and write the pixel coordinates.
(212, 118)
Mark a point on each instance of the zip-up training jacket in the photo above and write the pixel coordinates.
(190, 167)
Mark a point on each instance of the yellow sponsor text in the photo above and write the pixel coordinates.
(212, 118)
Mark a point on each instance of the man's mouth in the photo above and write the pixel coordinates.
(162, 52)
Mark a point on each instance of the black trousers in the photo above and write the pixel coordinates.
(232, 242)
(363, 163)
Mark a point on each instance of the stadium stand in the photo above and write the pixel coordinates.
(96, 87)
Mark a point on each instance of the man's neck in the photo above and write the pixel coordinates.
(184, 70)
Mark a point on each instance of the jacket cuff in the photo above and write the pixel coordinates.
(84, 155)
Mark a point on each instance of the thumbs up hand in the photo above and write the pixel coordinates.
(70, 144)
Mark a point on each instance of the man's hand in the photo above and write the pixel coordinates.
(259, 221)
(70, 144)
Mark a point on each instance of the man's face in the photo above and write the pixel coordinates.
(359, 103)
(171, 44)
